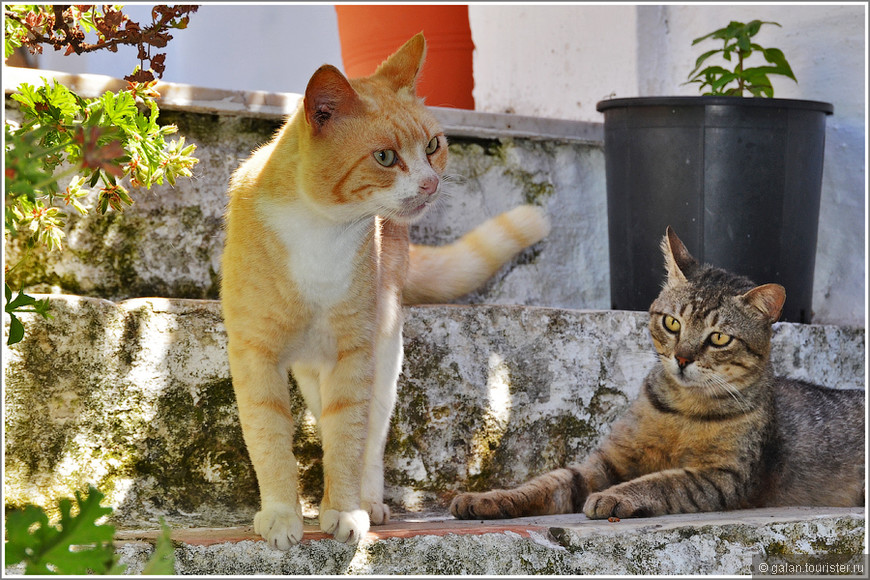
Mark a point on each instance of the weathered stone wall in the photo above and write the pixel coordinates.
(169, 243)
(135, 397)
(684, 544)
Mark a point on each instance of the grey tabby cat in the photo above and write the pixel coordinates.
(713, 428)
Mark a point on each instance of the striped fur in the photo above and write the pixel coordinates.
(440, 274)
(314, 269)
(712, 429)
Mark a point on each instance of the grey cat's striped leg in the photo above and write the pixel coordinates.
(557, 492)
(562, 491)
(675, 491)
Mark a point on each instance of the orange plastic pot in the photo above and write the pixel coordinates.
(369, 34)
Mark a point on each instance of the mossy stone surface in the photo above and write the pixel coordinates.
(136, 398)
(170, 241)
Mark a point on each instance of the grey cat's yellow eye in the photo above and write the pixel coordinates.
(671, 323)
(386, 157)
(432, 146)
(719, 339)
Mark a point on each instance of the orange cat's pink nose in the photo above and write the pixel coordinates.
(429, 185)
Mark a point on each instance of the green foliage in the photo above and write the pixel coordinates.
(22, 303)
(107, 145)
(77, 544)
(162, 561)
(737, 42)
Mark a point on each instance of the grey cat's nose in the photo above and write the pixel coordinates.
(429, 185)
(683, 362)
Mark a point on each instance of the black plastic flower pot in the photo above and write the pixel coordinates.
(739, 180)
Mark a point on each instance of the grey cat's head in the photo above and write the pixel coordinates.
(709, 326)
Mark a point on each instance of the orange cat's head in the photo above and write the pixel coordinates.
(370, 145)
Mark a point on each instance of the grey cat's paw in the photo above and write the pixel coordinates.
(611, 504)
(487, 506)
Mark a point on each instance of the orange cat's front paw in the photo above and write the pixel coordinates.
(610, 504)
(379, 512)
(347, 527)
(280, 525)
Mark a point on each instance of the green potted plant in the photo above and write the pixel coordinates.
(736, 172)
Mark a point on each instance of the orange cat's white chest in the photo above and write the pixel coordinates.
(321, 253)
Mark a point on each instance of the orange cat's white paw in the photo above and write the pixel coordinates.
(280, 525)
(379, 512)
(348, 527)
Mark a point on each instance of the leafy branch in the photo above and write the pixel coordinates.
(77, 544)
(737, 42)
(22, 303)
(65, 28)
(108, 143)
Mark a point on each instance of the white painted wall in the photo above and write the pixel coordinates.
(552, 60)
(560, 60)
(255, 47)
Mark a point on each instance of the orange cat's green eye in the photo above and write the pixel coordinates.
(386, 157)
(432, 147)
(719, 339)
(671, 323)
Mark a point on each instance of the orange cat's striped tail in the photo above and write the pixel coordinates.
(439, 274)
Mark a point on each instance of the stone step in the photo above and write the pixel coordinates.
(135, 398)
(169, 243)
(739, 542)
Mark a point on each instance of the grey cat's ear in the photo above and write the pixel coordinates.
(678, 260)
(327, 96)
(769, 299)
(402, 69)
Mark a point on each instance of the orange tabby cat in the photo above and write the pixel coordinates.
(315, 270)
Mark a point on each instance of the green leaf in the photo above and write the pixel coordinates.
(752, 28)
(26, 95)
(711, 72)
(62, 98)
(703, 58)
(737, 38)
(20, 301)
(16, 330)
(118, 108)
(78, 546)
(20, 542)
(162, 561)
(723, 80)
(775, 56)
(706, 36)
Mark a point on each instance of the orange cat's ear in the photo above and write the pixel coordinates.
(769, 299)
(328, 96)
(678, 260)
(402, 69)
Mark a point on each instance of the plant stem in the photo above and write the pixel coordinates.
(55, 178)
